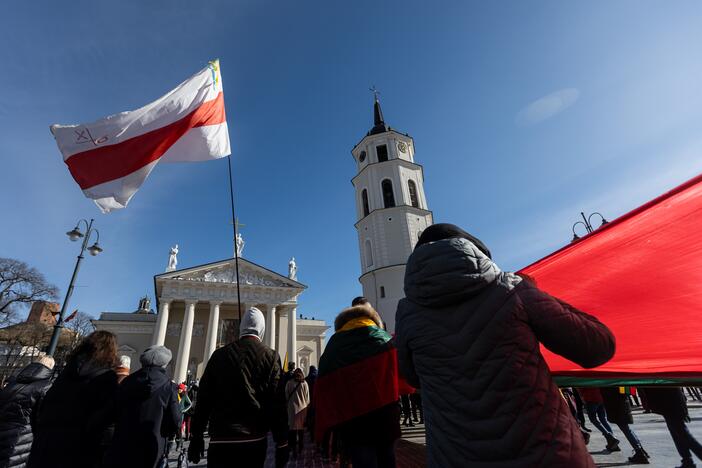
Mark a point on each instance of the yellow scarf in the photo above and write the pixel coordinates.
(357, 323)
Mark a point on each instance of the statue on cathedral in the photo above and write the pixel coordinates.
(239, 245)
(173, 259)
(292, 269)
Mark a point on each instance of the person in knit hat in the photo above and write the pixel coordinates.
(122, 370)
(155, 356)
(240, 399)
(149, 414)
(466, 322)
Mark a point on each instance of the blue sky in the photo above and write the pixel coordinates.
(523, 115)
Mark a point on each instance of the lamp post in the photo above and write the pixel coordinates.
(588, 225)
(94, 250)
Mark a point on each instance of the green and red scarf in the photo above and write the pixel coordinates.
(357, 374)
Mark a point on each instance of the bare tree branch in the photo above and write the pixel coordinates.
(22, 284)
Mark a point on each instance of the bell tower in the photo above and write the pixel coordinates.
(391, 211)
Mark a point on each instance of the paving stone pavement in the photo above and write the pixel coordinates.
(650, 428)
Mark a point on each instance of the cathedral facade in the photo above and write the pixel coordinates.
(391, 212)
(198, 311)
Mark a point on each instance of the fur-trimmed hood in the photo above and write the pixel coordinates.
(361, 311)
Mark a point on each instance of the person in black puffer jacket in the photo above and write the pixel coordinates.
(147, 405)
(76, 414)
(469, 335)
(19, 406)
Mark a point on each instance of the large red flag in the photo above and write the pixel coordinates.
(641, 275)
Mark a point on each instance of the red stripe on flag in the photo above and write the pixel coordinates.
(106, 163)
(355, 390)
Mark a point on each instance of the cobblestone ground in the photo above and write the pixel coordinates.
(650, 428)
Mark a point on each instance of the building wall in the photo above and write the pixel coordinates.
(135, 335)
(392, 280)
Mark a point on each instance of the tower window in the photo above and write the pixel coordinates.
(414, 201)
(369, 254)
(382, 151)
(382, 291)
(364, 200)
(388, 194)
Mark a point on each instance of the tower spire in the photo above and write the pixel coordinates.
(378, 120)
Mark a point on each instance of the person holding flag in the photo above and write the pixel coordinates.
(240, 399)
(469, 335)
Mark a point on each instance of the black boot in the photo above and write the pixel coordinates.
(686, 463)
(612, 443)
(640, 457)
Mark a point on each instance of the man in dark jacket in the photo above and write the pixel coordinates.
(468, 335)
(19, 406)
(148, 410)
(670, 402)
(241, 399)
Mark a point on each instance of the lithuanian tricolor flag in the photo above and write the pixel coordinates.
(357, 374)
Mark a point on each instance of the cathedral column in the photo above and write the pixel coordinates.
(270, 325)
(212, 327)
(186, 335)
(292, 335)
(159, 336)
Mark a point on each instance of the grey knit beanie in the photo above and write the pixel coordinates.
(158, 356)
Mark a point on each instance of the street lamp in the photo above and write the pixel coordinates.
(74, 234)
(587, 224)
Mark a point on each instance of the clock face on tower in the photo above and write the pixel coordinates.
(402, 146)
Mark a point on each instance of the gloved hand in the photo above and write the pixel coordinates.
(196, 449)
(282, 454)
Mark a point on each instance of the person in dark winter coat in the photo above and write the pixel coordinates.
(672, 405)
(619, 412)
(241, 398)
(78, 408)
(357, 389)
(468, 335)
(148, 410)
(19, 406)
(311, 379)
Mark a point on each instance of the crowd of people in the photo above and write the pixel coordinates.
(465, 361)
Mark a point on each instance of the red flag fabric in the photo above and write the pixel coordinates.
(357, 374)
(71, 317)
(641, 275)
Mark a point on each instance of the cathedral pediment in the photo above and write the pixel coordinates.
(224, 272)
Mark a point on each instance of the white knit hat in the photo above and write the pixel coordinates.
(252, 324)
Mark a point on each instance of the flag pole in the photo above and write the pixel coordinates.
(236, 248)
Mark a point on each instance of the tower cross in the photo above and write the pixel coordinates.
(375, 92)
(238, 224)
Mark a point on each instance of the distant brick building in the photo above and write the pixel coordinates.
(44, 312)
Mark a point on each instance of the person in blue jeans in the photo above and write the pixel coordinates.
(619, 412)
(594, 407)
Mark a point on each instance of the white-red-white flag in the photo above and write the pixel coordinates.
(112, 157)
